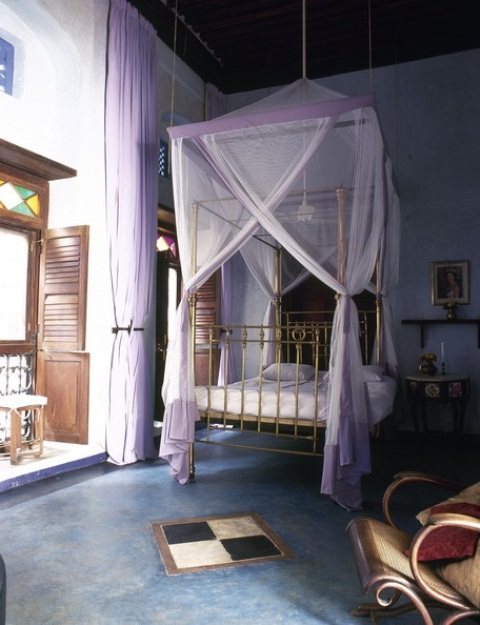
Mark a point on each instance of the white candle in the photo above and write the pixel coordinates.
(443, 351)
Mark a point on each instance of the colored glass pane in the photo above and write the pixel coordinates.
(19, 199)
(34, 204)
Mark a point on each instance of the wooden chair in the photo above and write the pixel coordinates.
(15, 444)
(390, 561)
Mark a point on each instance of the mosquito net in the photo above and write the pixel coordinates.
(305, 169)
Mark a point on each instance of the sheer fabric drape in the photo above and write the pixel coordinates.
(131, 192)
(272, 273)
(305, 168)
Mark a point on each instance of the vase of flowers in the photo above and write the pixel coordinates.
(426, 364)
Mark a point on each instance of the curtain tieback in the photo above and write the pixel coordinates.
(128, 329)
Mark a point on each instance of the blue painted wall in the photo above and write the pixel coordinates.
(430, 112)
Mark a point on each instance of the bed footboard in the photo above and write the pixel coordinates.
(285, 399)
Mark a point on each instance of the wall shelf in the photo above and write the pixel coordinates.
(423, 323)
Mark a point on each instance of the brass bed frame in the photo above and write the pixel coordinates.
(302, 338)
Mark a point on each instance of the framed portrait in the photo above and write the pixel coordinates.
(450, 282)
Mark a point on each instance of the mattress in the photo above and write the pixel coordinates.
(381, 396)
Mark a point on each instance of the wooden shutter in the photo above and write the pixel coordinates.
(208, 307)
(62, 365)
(62, 377)
(208, 312)
(63, 285)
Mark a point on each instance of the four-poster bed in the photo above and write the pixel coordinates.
(304, 170)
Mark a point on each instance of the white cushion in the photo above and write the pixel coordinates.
(288, 372)
(19, 401)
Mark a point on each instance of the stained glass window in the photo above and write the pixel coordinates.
(6, 66)
(167, 244)
(19, 199)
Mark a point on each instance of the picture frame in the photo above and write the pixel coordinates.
(450, 282)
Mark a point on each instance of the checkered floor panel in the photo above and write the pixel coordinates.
(216, 542)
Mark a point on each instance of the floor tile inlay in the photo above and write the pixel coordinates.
(192, 545)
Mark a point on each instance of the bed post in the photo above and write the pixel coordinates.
(341, 234)
(278, 303)
(278, 312)
(378, 311)
(192, 299)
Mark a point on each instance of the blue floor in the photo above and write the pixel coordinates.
(79, 548)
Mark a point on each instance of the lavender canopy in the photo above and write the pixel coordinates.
(305, 169)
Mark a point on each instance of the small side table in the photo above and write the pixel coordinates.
(452, 389)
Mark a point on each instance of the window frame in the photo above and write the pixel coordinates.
(35, 184)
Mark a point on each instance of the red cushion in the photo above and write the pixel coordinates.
(450, 543)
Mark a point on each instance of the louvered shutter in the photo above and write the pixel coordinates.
(208, 308)
(62, 365)
(207, 312)
(63, 283)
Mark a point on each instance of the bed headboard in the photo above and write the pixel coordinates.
(303, 337)
(323, 319)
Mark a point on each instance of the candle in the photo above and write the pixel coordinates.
(443, 351)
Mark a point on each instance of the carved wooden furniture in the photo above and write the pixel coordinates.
(452, 389)
(390, 562)
(22, 424)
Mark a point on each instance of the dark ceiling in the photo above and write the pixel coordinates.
(239, 45)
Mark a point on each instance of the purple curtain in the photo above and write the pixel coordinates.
(131, 200)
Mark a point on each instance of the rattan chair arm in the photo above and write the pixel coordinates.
(409, 477)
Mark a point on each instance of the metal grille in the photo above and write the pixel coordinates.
(16, 373)
(16, 377)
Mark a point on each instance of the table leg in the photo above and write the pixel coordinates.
(423, 411)
(462, 404)
(15, 436)
(413, 410)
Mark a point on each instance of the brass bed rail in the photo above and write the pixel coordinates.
(293, 344)
(302, 339)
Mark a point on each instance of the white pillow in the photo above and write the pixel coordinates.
(371, 373)
(288, 372)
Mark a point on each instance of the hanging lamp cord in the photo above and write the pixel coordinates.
(370, 54)
(172, 92)
(304, 40)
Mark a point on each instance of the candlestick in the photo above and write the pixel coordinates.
(443, 351)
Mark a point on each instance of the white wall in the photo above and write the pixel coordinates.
(57, 111)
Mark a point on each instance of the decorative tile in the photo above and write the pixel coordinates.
(217, 542)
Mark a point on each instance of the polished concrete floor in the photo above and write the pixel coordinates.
(79, 547)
